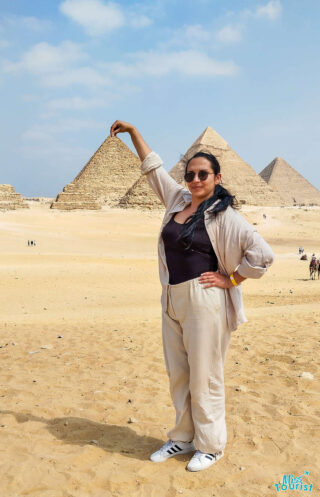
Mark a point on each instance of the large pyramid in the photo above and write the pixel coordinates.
(141, 195)
(237, 176)
(291, 186)
(9, 199)
(104, 179)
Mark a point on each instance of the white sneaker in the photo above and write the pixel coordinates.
(200, 460)
(170, 449)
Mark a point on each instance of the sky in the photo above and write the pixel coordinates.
(70, 68)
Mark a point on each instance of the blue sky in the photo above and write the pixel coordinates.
(69, 68)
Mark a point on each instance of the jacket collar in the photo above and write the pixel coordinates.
(187, 196)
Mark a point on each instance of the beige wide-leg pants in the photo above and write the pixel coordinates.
(195, 340)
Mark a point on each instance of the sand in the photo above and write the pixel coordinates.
(81, 357)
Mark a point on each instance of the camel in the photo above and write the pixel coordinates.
(313, 268)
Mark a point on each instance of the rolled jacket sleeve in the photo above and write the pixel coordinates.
(151, 161)
(258, 255)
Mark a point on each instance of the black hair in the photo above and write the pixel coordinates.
(220, 193)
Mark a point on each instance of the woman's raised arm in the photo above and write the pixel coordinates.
(163, 185)
(138, 142)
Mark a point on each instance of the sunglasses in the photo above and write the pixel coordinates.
(202, 175)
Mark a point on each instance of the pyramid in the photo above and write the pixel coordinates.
(237, 176)
(291, 186)
(105, 178)
(9, 199)
(141, 195)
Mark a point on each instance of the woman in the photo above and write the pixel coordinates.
(206, 250)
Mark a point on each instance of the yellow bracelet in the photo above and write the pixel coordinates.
(233, 280)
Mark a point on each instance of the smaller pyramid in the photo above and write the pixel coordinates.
(105, 178)
(237, 175)
(291, 185)
(141, 196)
(10, 199)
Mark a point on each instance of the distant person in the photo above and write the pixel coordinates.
(206, 249)
(313, 266)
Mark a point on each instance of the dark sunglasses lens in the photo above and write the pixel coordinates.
(202, 175)
(189, 177)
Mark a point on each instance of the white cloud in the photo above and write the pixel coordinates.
(43, 131)
(272, 10)
(140, 21)
(102, 99)
(94, 16)
(197, 36)
(83, 76)
(229, 34)
(45, 58)
(56, 154)
(196, 33)
(75, 103)
(187, 36)
(98, 18)
(187, 62)
(61, 66)
(27, 22)
(57, 66)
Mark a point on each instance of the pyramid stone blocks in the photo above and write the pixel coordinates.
(104, 179)
(10, 200)
(237, 175)
(141, 195)
(291, 185)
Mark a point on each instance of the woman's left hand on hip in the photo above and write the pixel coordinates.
(215, 279)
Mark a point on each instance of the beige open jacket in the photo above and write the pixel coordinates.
(236, 242)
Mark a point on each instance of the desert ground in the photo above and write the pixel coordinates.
(84, 392)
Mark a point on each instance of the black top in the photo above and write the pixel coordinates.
(184, 264)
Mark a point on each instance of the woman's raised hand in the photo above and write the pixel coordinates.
(138, 142)
(120, 127)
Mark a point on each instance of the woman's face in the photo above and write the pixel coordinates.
(204, 189)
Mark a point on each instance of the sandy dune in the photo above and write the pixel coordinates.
(81, 354)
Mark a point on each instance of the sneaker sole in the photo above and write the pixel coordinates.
(206, 467)
(183, 451)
